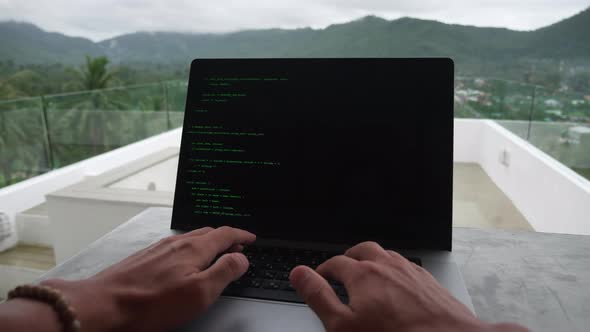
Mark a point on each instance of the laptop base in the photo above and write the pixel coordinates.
(250, 315)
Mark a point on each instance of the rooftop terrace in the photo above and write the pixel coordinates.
(522, 171)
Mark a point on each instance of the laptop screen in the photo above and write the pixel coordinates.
(330, 150)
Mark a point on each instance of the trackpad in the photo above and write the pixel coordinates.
(249, 315)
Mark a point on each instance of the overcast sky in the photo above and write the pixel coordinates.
(103, 19)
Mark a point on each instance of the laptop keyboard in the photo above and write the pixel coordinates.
(268, 275)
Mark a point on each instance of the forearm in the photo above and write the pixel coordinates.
(94, 307)
(19, 315)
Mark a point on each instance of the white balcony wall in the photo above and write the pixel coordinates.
(552, 197)
(93, 207)
(29, 193)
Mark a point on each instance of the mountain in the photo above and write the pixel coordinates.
(569, 37)
(25, 43)
(369, 36)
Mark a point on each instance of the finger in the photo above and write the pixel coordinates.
(395, 254)
(236, 248)
(418, 267)
(367, 251)
(198, 232)
(317, 293)
(398, 260)
(226, 269)
(339, 268)
(221, 239)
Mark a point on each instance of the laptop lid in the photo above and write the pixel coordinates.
(332, 150)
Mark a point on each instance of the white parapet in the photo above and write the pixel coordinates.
(85, 211)
(551, 196)
(29, 193)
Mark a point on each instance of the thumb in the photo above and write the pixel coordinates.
(227, 268)
(317, 293)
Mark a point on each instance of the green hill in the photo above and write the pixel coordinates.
(369, 36)
(569, 38)
(25, 43)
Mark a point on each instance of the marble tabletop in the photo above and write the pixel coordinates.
(539, 280)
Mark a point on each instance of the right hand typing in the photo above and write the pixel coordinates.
(386, 293)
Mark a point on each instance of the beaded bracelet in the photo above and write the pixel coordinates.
(53, 298)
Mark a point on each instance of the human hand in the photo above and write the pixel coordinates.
(386, 293)
(162, 286)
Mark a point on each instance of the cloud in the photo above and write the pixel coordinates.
(107, 18)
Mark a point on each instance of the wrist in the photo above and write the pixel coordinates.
(21, 314)
(95, 307)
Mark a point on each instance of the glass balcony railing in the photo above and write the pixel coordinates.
(44, 133)
(48, 132)
(556, 122)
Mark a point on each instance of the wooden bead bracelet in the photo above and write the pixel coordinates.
(53, 298)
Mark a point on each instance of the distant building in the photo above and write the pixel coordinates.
(577, 102)
(552, 103)
(554, 112)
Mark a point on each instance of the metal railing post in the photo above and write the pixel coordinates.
(166, 106)
(49, 150)
(528, 133)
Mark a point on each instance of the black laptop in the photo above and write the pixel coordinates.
(316, 155)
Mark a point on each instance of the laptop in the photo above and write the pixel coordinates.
(315, 156)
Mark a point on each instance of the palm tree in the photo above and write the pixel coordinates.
(94, 75)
